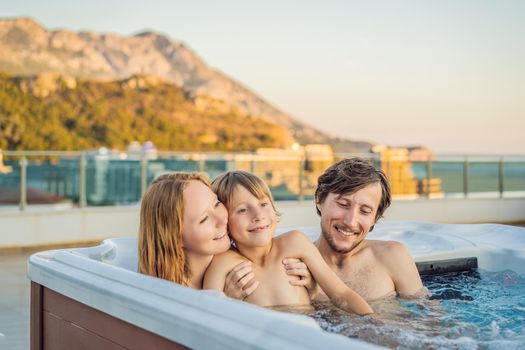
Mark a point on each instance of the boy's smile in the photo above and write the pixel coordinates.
(251, 220)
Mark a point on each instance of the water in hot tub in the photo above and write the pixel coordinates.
(468, 310)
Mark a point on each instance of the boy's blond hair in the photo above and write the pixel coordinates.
(224, 186)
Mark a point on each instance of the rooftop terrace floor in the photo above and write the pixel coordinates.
(14, 301)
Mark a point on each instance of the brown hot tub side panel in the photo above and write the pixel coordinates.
(58, 322)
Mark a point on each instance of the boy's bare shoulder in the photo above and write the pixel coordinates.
(291, 238)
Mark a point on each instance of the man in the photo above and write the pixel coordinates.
(351, 196)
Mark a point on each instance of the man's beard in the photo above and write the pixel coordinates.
(333, 246)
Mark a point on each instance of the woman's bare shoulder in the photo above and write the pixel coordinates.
(228, 259)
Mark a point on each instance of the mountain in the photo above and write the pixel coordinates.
(52, 111)
(27, 48)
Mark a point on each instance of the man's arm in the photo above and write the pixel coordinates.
(402, 270)
(296, 267)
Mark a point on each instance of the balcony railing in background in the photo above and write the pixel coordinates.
(83, 179)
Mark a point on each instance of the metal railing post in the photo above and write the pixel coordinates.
(501, 173)
(23, 184)
(82, 202)
(429, 176)
(143, 175)
(465, 176)
(200, 163)
(302, 164)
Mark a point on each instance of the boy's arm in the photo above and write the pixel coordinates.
(299, 246)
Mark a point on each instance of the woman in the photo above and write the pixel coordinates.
(182, 226)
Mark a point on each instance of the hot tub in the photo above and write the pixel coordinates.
(94, 297)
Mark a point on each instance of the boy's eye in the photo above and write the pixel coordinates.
(264, 204)
(242, 210)
(203, 220)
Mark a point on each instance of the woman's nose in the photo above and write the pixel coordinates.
(221, 216)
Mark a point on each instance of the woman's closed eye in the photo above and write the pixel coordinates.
(203, 220)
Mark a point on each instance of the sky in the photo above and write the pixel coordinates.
(446, 74)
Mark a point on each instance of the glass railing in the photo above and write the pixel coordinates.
(96, 179)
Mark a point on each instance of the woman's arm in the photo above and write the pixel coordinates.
(339, 293)
(215, 276)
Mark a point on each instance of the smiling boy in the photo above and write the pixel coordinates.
(252, 220)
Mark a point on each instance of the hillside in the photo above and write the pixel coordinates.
(28, 49)
(63, 113)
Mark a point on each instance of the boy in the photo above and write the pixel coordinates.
(252, 220)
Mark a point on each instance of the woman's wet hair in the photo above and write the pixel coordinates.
(160, 231)
(349, 176)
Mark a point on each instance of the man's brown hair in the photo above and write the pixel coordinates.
(351, 175)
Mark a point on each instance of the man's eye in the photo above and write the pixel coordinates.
(203, 220)
(343, 205)
(365, 212)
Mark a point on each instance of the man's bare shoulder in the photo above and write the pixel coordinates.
(388, 251)
(386, 247)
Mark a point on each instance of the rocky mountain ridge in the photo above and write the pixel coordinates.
(27, 48)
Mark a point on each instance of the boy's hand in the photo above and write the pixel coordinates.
(240, 281)
(297, 267)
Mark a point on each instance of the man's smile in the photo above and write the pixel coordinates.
(345, 231)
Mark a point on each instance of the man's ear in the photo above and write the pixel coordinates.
(372, 227)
